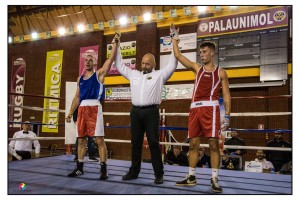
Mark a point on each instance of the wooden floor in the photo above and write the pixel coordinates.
(49, 176)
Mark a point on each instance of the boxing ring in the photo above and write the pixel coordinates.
(49, 176)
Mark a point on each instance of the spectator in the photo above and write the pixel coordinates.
(278, 158)
(234, 140)
(267, 166)
(227, 161)
(204, 160)
(21, 149)
(286, 168)
(176, 157)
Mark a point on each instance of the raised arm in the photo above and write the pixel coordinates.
(123, 70)
(107, 65)
(170, 68)
(75, 102)
(182, 59)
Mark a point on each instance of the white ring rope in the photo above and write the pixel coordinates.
(252, 114)
(169, 143)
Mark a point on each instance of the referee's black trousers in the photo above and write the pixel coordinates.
(145, 120)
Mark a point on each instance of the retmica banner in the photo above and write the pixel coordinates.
(17, 84)
(250, 21)
(127, 49)
(187, 41)
(87, 51)
(52, 89)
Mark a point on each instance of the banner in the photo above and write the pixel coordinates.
(187, 41)
(130, 62)
(164, 59)
(52, 89)
(17, 84)
(117, 93)
(258, 20)
(85, 51)
(181, 91)
(127, 49)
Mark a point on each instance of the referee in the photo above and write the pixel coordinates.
(146, 88)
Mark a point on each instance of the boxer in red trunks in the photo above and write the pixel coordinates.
(204, 117)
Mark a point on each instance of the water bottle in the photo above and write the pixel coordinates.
(272, 171)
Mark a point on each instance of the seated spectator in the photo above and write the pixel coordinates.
(278, 158)
(227, 161)
(267, 166)
(204, 160)
(234, 140)
(176, 157)
(286, 168)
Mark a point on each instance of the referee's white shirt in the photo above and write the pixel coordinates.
(146, 89)
(25, 145)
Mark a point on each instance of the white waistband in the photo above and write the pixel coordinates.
(204, 103)
(90, 102)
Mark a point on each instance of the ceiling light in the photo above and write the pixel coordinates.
(123, 21)
(202, 9)
(61, 31)
(34, 35)
(9, 39)
(147, 17)
(80, 28)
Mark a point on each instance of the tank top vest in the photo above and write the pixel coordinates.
(91, 88)
(207, 85)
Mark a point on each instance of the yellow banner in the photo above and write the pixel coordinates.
(52, 89)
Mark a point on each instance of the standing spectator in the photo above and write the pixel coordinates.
(278, 158)
(204, 160)
(176, 157)
(146, 89)
(267, 166)
(21, 149)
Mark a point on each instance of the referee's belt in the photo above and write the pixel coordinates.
(204, 103)
(146, 107)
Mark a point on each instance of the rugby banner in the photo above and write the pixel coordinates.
(17, 85)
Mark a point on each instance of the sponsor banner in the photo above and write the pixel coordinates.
(187, 41)
(253, 166)
(52, 89)
(262, 19)
(17, 84)
(130, 62)
(118, 93)
(182, 91)
(164, 60)
(85, 51)
(127, 49)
